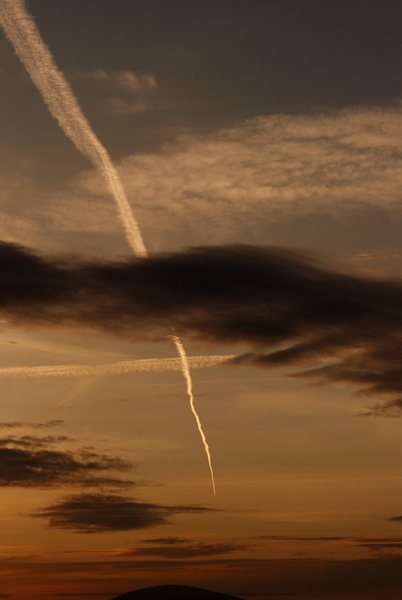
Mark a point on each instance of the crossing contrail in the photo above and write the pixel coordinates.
(20, 28)
(186, 373)
(126, 366)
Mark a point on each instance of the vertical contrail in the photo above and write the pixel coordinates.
(186, 372)
(20, 28)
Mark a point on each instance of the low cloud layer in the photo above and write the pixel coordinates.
(186, 551)
(291, 309)
(33, 462)
(98, 513)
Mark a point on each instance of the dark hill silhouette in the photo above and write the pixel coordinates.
(174, 592)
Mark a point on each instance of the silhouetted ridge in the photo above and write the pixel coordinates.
(174, 592)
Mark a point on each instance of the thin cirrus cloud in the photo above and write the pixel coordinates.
(232, 185)
(243, 178)
(33, 462)
(289, 308)
(102, 512)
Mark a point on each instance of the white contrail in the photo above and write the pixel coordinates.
(126, 366)
(186, 372)
(21, 30)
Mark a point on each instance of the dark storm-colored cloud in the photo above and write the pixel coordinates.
(291, 309)
(398, 518)
(33, 462)
(97, 513)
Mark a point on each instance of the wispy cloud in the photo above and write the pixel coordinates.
(125, 366)
(379, 576)
(230, 186)
(290, 308)
(21, 30)
(175, 551)
(222, 186)
(117, 81)
(23, 424)
(115, 92)
(391, 408)
(33, 462)
(169, 540)
(97, 513)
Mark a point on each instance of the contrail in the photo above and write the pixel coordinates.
(186, 373)
(20, 28)
(126, 366)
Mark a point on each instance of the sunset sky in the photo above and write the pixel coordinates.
(259, 145)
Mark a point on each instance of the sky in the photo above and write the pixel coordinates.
(258, 145)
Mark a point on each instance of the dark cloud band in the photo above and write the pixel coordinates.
(97, 513)
(289, 308)
(33, 462)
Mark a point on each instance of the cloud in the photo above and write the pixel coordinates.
(169, 540)
(32, 462)
(98, 513)
(21, 424)
(291, 309)
(373, 544)
(235, 183)
(391, 408)
(396, 519)
(174, 551)
(118, 81)
(376, 577)
(115, 92)
(80, 595)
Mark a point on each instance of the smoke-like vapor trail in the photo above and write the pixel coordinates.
(21, 30)
(127, 366)
(186, 372)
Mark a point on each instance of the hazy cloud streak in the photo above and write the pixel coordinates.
(21, 30)
(126, 366)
